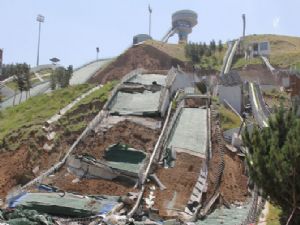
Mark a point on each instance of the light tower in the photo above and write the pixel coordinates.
(97, 52)
(40, 18)
(150, 12)
(1, 60)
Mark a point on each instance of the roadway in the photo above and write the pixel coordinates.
(80, 76)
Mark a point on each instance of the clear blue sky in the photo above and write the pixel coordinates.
(73, 28)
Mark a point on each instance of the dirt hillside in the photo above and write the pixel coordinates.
(140, 56)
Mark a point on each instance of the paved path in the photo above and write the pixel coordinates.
(81, 75)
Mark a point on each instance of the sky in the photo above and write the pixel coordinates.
(74, 28)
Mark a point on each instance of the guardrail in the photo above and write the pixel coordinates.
(225, 59)
(209, 203)
(255, 208)
(268, 64)
(259, 110)
(152, 159)
(230, 58)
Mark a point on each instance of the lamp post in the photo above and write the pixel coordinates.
(244, 24)
(97, 52)
(150, 12)
(40, 18)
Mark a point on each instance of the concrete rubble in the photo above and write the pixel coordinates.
(156, 171)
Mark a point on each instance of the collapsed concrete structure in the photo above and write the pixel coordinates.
(119, 165)
(149, 147)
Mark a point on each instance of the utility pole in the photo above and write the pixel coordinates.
(1, 60)
(97, 52)
(244, 25)
(40, 18)
(150, 12)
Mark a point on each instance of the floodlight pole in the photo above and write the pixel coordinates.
(150, 12)
(40, 19)
(244, 24)
(97, 53)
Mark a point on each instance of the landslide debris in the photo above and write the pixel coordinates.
(140, 56)
(125, 132)
(17, 165)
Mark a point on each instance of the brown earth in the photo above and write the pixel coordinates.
(16, 166)
(257, 73)
(141, 56)
(234, 181)
(124, 132)
(195, 102)
(233, 185)
(180, 180)
(63, 180)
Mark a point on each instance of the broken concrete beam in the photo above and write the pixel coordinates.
(157, 181)
(51, 136)
(36, 170)
(90, 170)
(47, 147)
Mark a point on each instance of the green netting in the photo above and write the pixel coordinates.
(190, 130)
(121, 157)
(26, 217)
(121, 153)
(233, 216)
(148, 79)
(135, 103)
(65, 204)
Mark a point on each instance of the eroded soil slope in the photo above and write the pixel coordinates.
(16, 167)
(179, 181)
(125, 132)
(233, 185)
(141, 56)
(257, 73)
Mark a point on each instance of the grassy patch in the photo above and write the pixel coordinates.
(34, 80)
(12, 85)
(78, 117)
(101, 94)
(273, 215)
(228, 119)
(76, 127)
(213, 62)
(275, 98)
(38, 109)
(174, 50)
(285, 50)
(241, 62)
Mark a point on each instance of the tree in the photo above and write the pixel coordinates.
(53, 80)
(22, 78)
(274, 161)
(1, 99)
(212, 45)
(220, 46)
(61, 76)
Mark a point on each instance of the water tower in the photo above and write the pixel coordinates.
(182, 23)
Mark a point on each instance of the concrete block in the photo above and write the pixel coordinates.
(236, 140)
